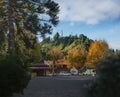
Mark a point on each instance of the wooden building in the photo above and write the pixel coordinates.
(40, 69)
(60, 65)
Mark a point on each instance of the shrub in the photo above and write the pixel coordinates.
(107, 83)
(14, 75)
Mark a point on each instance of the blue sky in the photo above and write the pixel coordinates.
(97, 19)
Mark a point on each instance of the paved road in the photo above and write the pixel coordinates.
(59, 86)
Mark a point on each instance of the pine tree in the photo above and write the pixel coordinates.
(107, 82)
(35, 16)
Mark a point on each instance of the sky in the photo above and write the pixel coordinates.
(97, 19)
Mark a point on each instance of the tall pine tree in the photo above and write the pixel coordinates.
(35, 16)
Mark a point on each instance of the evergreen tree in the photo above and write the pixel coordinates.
(21, 21)
(14, 75)
(56, 36)
(107, 82)
(35, 16)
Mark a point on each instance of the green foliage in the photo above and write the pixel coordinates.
(14, 75)
(36, 53)
(27, 46)
(66, 43)
(21, 18)
(56, 36)
(107, 82)
(3, 47)
(35, 16)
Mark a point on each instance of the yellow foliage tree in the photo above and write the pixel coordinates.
(76, 58)
(97, 51)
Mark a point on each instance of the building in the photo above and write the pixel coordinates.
(60, 65)
(40, 69)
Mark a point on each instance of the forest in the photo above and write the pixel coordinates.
(76, 51)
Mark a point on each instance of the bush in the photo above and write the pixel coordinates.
(14, 75)
(107, 83)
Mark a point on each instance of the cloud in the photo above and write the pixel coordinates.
(88, 11)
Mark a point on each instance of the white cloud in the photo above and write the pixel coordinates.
(88, 11)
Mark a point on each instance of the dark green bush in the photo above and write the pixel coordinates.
(14, 75)
(107, 83)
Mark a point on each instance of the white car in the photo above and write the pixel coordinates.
(64, 73)
(89, 72)
(74, 71)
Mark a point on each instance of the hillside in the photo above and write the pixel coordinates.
(65, 43)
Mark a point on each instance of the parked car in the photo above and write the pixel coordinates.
(74, 71)
(64, 73)
(89, 72)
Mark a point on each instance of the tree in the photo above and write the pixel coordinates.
(14, 71)
(36, 53)
(54, 54)
(56, 36)
(35, 16)
(78, 42)
(76, 58)
(97, 51)
(3, 47)
(46, 40)
(107, 82)
(21, 21)
(56, 40)
(14, 75)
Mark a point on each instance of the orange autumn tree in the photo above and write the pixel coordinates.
(54, 54)
(97, 51)
(76, 58)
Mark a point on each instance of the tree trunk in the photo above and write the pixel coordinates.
(53, 67)
(11, 27)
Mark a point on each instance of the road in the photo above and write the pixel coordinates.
(58, 86)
